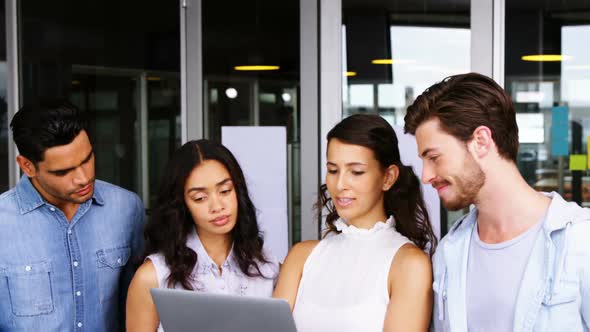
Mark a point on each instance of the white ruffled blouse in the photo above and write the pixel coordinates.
(344, 282)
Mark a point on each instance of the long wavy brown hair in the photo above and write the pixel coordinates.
(404, 199)
(171, 221)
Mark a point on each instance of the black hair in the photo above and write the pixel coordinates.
(45, 124)
(171, 222)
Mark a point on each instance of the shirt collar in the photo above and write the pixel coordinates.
(97, 196)
(345, 228)
(194, 242)
(558, 215)
(29, 198)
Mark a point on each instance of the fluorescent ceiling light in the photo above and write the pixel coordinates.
(350, 73)
(545, 57)
(256, 68)
(391, 61)
(382, 61)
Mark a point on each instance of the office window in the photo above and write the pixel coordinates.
(120, 62)
(394, 50)
(547, 74)
(251, 76)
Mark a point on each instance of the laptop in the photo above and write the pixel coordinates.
(182, 310)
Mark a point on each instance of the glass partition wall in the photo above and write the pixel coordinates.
(393, 50)
(119, 62)
(251, 76)
(547, 56)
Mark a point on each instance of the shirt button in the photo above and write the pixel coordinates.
(119, 260)
(78, 293)
(52, 209)
(69, 231)
(75, 264)
(79, 324)
(27, 268)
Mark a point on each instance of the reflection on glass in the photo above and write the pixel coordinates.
(251, 75)
(394, 50)
(547, 65)
(413, 69)
(163, 125)
(120, 63)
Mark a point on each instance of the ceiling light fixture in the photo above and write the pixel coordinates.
(545, 57)
(286, 97)
(392, 61)
(256, 68)
(231, 93)
(382, 61)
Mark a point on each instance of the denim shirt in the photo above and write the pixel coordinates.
(67, 276)
(554, 293)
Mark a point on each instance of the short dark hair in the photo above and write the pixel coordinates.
(464, 102)
(44, 124)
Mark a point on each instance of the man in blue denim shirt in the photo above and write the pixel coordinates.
(520, 260)
(67, 241)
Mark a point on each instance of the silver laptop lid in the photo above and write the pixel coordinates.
(181, 310)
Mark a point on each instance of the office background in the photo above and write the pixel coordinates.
(154, 74)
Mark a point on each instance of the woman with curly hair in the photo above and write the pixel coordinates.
(203, 234)
(371, 271)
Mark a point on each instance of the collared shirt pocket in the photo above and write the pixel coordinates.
(110, 266)
(561, 308)
(29, 286)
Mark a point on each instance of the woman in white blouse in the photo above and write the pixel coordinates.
(370, 272)
(203, 234)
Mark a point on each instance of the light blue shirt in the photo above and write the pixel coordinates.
(554, 294)
(206, 277)
(67, 276)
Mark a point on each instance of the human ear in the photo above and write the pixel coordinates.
(481, 141)
(391, 175)
(27, 166)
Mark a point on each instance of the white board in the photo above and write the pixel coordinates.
(262, 154)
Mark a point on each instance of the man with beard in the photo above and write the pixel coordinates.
(66, 239)
(519, 261)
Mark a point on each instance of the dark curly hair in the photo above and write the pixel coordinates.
(404, 199)
(171, 222)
